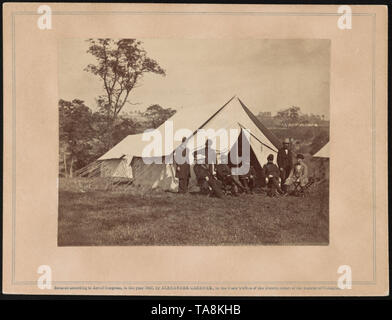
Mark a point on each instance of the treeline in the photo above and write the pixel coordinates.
(292, 118)
(310, 132)
(85, 135)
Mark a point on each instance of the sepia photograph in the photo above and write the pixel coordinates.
(195, 150)
(193, 142)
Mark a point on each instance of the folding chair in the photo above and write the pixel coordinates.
(302, 191)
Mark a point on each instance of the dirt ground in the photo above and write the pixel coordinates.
(94, 212)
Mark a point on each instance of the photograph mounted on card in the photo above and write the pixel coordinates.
(177, 149)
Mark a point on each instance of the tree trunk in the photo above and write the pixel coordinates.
(71, 168)
(110, 130)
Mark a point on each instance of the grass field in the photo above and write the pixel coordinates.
(93, 212)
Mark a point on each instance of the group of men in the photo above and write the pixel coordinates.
(290, 173)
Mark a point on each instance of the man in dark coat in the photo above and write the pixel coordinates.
(206, 181)
(249, 180)
(210, 156)
(183, 169)
(285, 160)
(223, 172)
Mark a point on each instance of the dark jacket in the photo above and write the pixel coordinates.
(210, 155)
(201, 171)
(222, 171)
(271, 169)
(285, 160)
(183, 171)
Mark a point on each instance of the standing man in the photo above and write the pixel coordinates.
(210, 156)
(285, 161)
(183, 168)
(249, 180)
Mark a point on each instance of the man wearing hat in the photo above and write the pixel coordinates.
(183, 169)
(299, 173)
(285, 160)
(205, 180)
(223, 173)
(249, 180)
(272, 179)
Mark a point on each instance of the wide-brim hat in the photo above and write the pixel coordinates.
(287, 140)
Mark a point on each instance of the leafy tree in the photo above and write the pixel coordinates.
(120, 65)
(124, 128)
(75, 133)
(157, 115)
(290, 117)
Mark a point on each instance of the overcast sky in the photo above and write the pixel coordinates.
(268, 75)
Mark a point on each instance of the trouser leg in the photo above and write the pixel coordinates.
(183, 185)
(245, 184)
(238, 183)
(283, 176)
(252, 184)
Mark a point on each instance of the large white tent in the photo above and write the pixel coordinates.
(128, 158)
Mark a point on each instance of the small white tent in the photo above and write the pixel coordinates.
(321, 162)
(323, 152)
(128, 159)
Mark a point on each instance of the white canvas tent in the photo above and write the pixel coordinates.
(128, 158)
(320, 162)
(323, 152)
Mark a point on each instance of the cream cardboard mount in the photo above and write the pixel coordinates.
(84, 235)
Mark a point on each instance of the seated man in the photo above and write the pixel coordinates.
(249, 180)
(272, 176)
(205, 180)
(223, 173)
(298, 177)
(202, 173)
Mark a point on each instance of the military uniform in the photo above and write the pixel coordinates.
(249, 180)
(210, 156)
(223, 173)
(272, 173)
(201, 172)
(285, 163)
(183, 172)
